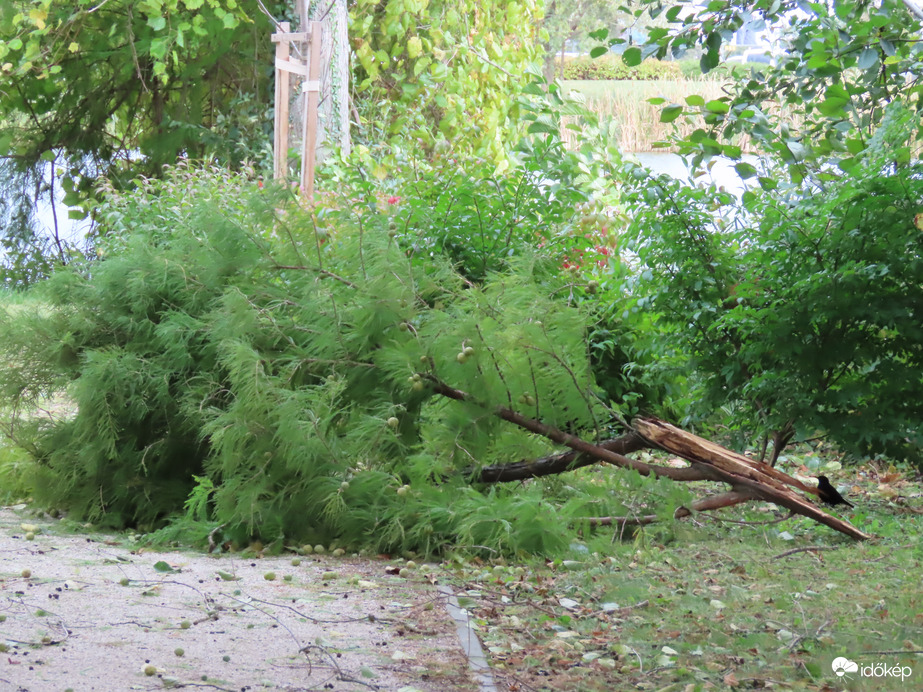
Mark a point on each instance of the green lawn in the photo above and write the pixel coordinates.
(712, 604)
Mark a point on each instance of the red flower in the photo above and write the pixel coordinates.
(393, 200)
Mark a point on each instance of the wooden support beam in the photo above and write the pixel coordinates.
(312, 99)
(280, 128)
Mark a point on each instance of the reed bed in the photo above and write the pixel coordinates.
(638, 121)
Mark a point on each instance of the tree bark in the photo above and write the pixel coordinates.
(555, 463)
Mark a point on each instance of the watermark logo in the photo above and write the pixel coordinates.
(843, 666)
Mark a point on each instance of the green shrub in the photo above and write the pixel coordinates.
(613, 67)
(803, 312)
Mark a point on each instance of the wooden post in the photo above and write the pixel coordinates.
(312, 97)
(280, 130)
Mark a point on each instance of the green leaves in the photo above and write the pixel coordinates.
(670, 113)
(632, 56)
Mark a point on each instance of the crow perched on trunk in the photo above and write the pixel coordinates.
(828, 494)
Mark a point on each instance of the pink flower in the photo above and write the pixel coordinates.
(393, 200)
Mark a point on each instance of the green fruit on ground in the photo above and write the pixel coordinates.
(26, 573)
(339, 552)
(296, 561)
(124, 581)
(287, 577)
(30, 536)
(307, 549)
(150, 670)
(329, 576)
(269, 576)
(179, 652)
(225, 658)
(185, 625)
(319, 549)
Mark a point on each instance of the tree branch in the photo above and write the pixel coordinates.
(575, 443)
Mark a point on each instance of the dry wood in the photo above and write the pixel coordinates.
(280, 130)
(312, 96)
(749, 478)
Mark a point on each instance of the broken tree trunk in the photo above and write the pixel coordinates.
(749, 479)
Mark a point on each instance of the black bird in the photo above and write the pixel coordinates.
(829, 495)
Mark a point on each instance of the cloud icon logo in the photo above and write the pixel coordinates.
(841, 666)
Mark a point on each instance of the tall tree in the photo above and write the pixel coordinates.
(119, 88)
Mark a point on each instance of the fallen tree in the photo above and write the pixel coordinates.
(749, 479)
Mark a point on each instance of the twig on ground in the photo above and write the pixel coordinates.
(805, 549)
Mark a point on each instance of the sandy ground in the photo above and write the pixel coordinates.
(86, 612)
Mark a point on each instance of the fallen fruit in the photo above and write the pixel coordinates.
(269, 576)
(179, 652)
(225, 658)
(319, 548)
(296, 561)
(185, 625)
(26, 573)
(150, 670)
(30, 536)
(124, 581)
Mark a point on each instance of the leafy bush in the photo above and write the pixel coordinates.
(232, 366)
(613, 67)
(469, 210)
(804, 308)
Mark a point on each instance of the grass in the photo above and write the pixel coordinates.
(639, 123)
(716, 605)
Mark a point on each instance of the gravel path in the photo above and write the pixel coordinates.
(89, 612)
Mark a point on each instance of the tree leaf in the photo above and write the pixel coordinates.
(632, 56)
(670, 113)
(162, 566)
(745, 170)
(598, 51)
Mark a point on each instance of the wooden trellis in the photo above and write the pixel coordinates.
(310, 73)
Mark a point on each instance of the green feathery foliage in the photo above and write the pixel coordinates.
(230, 365)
